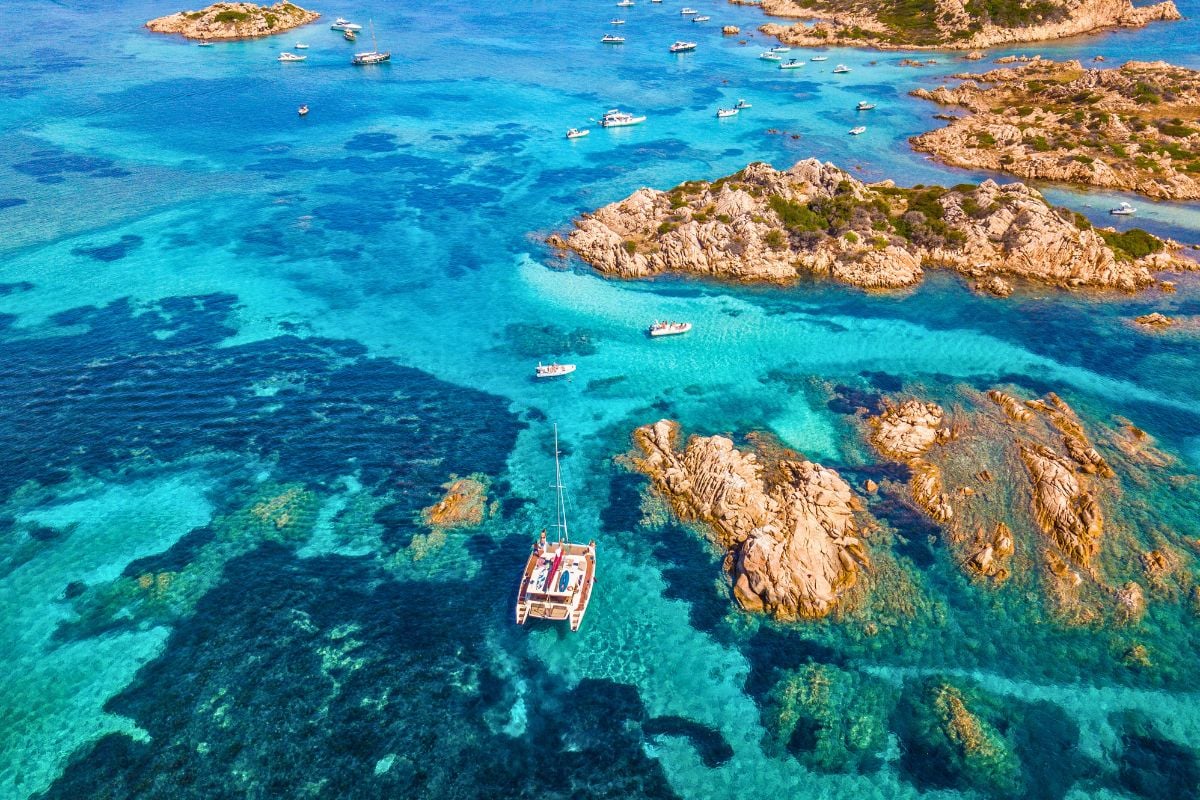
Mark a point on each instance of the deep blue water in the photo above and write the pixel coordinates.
(240, 351)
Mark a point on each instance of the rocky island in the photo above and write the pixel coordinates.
(816, 220)
(1130, 128)
(952, 24)
(234, 21)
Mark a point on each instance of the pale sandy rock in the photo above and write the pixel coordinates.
(731, 30)
(1066, 512)
(906, 430)
(792, 538)
(234, 21)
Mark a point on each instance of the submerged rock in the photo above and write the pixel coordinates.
(790, 530)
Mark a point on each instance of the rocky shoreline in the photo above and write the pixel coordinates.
(234, 21)
(1126, 128)
(816, 220)
(952, 24)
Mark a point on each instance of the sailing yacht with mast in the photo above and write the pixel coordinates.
(373, 56)
(558, 578)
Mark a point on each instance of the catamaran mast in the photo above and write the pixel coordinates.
(558, 484)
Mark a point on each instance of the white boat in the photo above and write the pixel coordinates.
(701, 19)
(769, 56)
(779, 48)
(863, 105)
(682, 47)
(856, 130)
(344, 25)
(792, 63)
(1123, 210)
(722, 113)
(300, 46)
(616, 22)
(553, 370)
(349, 36)
(613, 118)
(840, 69)
(558, 577)
(669, 328)
(372, 56)
(291, 57)
(302, 111)
(819, 58)
(625, 3)
(688, 10)
(204, 44)
(742, 104)
(612, 38)
(576, 133)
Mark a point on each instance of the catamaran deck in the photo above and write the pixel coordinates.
(557, 583)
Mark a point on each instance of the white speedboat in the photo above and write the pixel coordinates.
(722, 113)
(625, 3)
(819, 58)
(701, 18)
(576, 133)
(863, 105)
(840, 69)
(612, 38)
(669, 328)
(291, 57)
(856, 130)
(204, 44)
(769, 56)
(553, 370)
(344, 25)
(741, 104)
(300, 46)
(779, 48)
(302, 111)
(616, 22)
(682, 47)
(688, 10)
(614, 118)
(1123, 210)
(792, 63)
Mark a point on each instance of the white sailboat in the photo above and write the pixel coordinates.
(372, 56)
(558, 577)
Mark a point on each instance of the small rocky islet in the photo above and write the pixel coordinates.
(1128, 128)
(816, 220)
(946, 25)
(234, 21)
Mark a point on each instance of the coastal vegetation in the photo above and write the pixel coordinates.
(234, 21)
(1129, 128)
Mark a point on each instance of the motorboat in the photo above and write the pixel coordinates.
(612, 38)
(559, 576)
(683, 47)
(616, 22)
(856, 130)
(769, 56)
(291, 57)
(722, 113)
(204, 44)
(1123, 210)
(742, 104)
(792, 63)
(688, 10)
(780, 48)
(701, 18)
(344, 25)
(669, 328)
(840, 69)
(614, 118)
(819, 58)
(372, 56)
(863, 105)
(625, 3)
(553, 370)
(576, 133)
(349, 36)
(302, 111)
(300, 46)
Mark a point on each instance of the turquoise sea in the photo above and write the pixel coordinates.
(240, 351)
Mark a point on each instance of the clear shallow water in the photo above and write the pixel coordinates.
(209, 302)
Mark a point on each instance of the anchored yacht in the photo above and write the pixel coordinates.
(291, 57)
(553, 370)
(576, 133)
(372, 56)
(722, 113)
(614, 118)
(669, 328)
(558, 577)
(863, 105)
(769, 56)
(612, 38)
(344, 25)
(840, 69)
(682, 47)
(857, 129)
(1123, 210)
(792, 63)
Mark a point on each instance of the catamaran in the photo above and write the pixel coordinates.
(558, 577)
(682, 47)
(1123, 210)
(372, 56)
(669, 328)
(614, 118)
(553, 370)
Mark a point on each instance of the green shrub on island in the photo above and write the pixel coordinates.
(1132, 244)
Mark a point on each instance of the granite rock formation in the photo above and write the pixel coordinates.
(234, 21)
